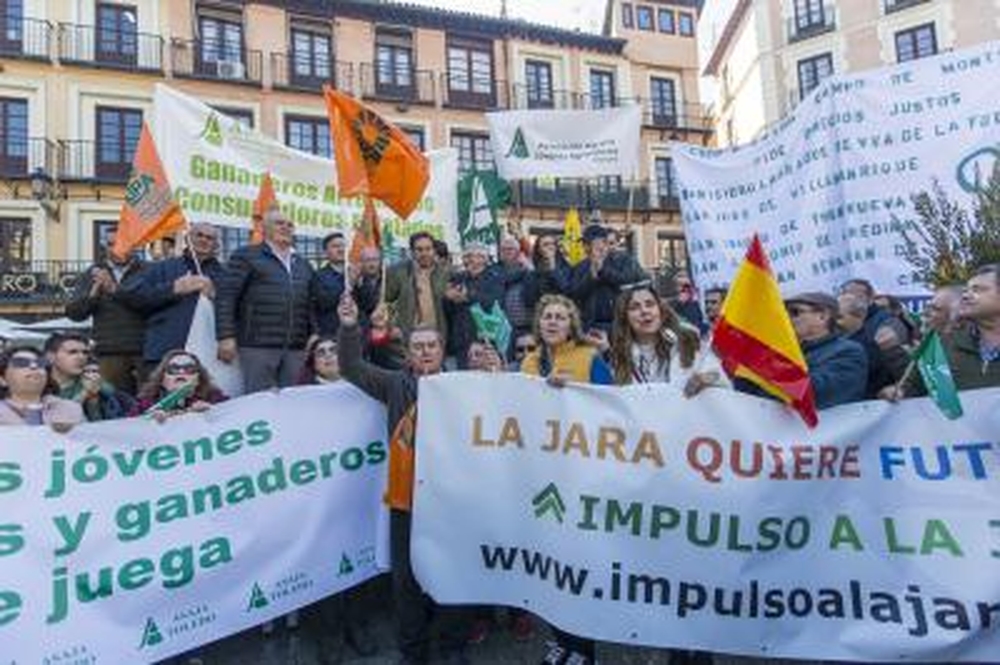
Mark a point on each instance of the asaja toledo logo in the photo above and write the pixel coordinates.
(151, 635)
(212, 131)
(257, 598)
(346, 567)
(519, 146)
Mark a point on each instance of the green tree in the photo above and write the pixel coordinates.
(946, 243)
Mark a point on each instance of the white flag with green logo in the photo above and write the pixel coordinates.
(566, 144)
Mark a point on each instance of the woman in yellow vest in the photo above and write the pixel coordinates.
(562, 355)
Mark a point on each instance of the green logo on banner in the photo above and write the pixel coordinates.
(549, 501)
(150, 635)
(519, 147)
(976, 169)
(212, 132)
(346, 567)
(257, 598)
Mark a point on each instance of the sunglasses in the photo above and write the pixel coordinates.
(26, 362)
(325, 351)
(526, 348)
(175, 369)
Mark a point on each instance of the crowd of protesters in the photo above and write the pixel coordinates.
(381, 328)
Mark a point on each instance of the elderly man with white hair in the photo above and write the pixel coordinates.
(265, 310)
(479, 283)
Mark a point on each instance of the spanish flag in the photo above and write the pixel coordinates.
(150, 211)
(755, 339)
(265, 199)
(367, 234)
(374, 157)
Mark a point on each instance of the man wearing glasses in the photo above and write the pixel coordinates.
(838, 367)
(167, 292)
(265, 308)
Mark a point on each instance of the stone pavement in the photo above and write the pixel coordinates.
(303, 646)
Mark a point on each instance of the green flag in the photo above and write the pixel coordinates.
(172, 399)
(493, 326)
(933, 365)
(481, 195)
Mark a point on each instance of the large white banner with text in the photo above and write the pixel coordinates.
(635, 515)
(215, 164)
(131, 541)
(569, 144)
(829, 186)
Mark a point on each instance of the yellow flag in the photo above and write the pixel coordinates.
(573, 238)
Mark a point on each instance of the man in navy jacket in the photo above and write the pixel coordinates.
(167, 292)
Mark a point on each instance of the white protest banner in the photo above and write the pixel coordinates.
(215, 164)
(131, 541)
(829, 187)
(568, 144)
(202, 343)
(635, 515)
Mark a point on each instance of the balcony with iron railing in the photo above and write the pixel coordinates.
(809, 24)
(20, 158)
(81, 160)
(475, 94)
(414, 86)
(39, 282)
(684, 117)
(112, 49)
(208, 60)
(890, 6)
(290, 73)
(27, 38)
(588, 102)
(524, 96)
(605, 194)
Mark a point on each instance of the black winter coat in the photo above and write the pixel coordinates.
(595, 296)
(117, 328)
(261, 304)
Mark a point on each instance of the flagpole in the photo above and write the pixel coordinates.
(194, 255)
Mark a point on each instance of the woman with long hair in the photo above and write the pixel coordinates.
(179, 384)
(651, 344)
(28, 394)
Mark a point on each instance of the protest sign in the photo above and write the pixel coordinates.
(722, 522)
(215, 165)
(829, 186)
(582, 144)
(131, 541)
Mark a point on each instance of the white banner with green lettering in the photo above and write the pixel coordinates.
(131, 541)
(215, 164)
(722, 523)
(829, 186)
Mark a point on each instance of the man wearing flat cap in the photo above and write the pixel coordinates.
(838, 367)
(595, 282)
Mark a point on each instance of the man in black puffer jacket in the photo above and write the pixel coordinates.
(265, 309)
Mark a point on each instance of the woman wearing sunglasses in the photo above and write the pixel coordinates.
(180, 383)
(321, 365)
(27, 393)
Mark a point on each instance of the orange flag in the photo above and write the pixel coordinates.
(755, 339)
(265, 199)
(374, 158)
(368, 233)
(150, 210)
